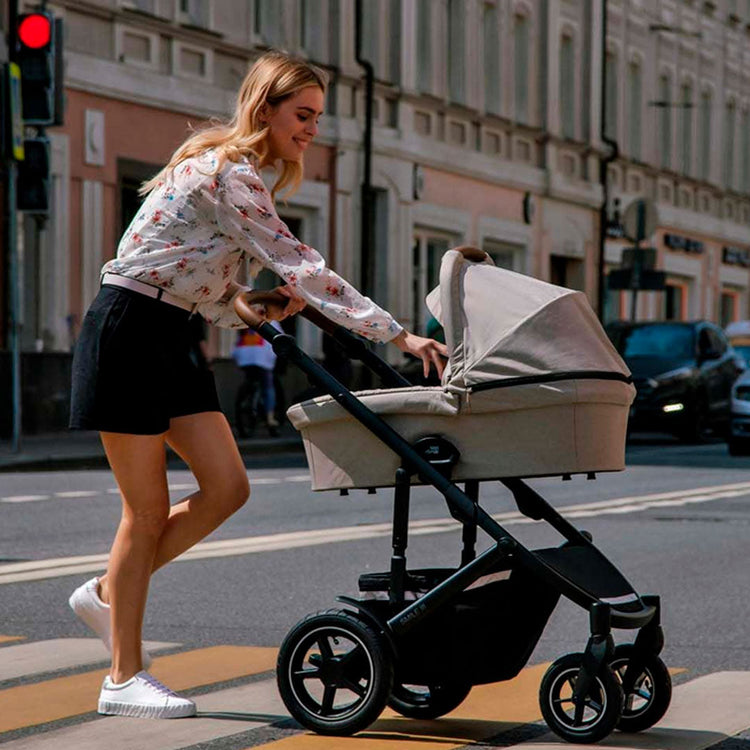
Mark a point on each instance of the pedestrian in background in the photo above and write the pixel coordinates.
(257, 360)
(134, 381)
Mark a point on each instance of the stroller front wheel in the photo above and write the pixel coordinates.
(428, 701)
(334, 673)
(651, 694)
(602, 706)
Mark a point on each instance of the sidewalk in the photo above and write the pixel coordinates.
(83, 450)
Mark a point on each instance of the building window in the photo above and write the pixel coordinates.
(675, 301)
(665, 123)
(371, 16)
(728, 307)
(521, 68)
(456, 51)
(686, 128)
(704, 166)
(567, 87)
(267, 21)
(504, 254)
(196, 13)
(424, 45)
(491, 53)
(729, 123)
(144, 6)
(635, 105)
(610, 83)
(427, 252)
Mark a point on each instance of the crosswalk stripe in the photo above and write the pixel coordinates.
(9, 638)
(489, 710)
(220, 714)
(51, 700)
(26, 659)
(703, 712)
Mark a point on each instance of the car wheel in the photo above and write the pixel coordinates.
(697, 428)
(739, 446)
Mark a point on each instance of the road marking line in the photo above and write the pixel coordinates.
(78, 493)
(221, 714)
(42, 569)
(24, 498)
(51, 700)
(52, 655)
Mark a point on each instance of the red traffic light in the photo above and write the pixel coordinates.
(35, 30)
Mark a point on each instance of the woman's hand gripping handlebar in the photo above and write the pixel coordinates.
(279, 304)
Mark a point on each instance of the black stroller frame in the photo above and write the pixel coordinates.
(600, 687)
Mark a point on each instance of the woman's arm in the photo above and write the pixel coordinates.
(245, 213)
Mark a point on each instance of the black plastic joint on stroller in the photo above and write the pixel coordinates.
(339, 668)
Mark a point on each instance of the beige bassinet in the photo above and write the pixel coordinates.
(533, 388)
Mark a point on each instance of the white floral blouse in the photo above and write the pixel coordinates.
(194, 231)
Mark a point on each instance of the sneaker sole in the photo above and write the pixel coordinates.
(135, 710)
(83, 613)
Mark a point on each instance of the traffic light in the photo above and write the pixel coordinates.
(34, 176)
(39, 47)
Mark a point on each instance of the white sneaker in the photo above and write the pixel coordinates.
(144, 697)
(85, 602)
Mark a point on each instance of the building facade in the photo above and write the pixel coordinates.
(487, 123)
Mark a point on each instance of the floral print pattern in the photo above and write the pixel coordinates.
(194, 231)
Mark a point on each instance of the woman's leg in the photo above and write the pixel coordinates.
(205, 442)
(139, 466)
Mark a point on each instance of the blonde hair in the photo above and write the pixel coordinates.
(274, 77)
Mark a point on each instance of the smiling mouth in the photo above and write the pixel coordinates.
(301, 143)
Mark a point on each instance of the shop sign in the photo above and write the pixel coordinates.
(735, 256)
(678, 242)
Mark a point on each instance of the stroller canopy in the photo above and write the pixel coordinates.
(502, 326)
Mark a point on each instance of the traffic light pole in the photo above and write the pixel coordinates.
(14, 291)
(15, 307)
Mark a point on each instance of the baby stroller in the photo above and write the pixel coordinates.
(533, 388)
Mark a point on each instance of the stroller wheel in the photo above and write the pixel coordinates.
(651, 694)
(602, 706)
(428, 701)
(334, 673)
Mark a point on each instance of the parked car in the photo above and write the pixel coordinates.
(683, 374)
(739, 426)
(738, 334)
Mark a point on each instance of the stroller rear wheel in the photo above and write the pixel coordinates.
(602, 706)
(334, 673)
(649, 699)
(428, 701)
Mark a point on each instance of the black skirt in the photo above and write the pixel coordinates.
(134, 366)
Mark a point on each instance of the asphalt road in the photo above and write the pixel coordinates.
(676, 523)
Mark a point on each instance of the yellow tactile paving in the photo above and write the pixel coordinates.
(38, 703)
(8, 638)
(489, 710)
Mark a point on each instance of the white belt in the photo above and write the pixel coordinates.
(114, 279)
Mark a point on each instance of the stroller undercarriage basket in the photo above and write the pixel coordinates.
(485, 634)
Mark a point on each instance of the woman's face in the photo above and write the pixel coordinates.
(294, 123)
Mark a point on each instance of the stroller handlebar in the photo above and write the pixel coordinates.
(355, 347)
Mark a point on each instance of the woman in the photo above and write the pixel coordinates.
(133, 378)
